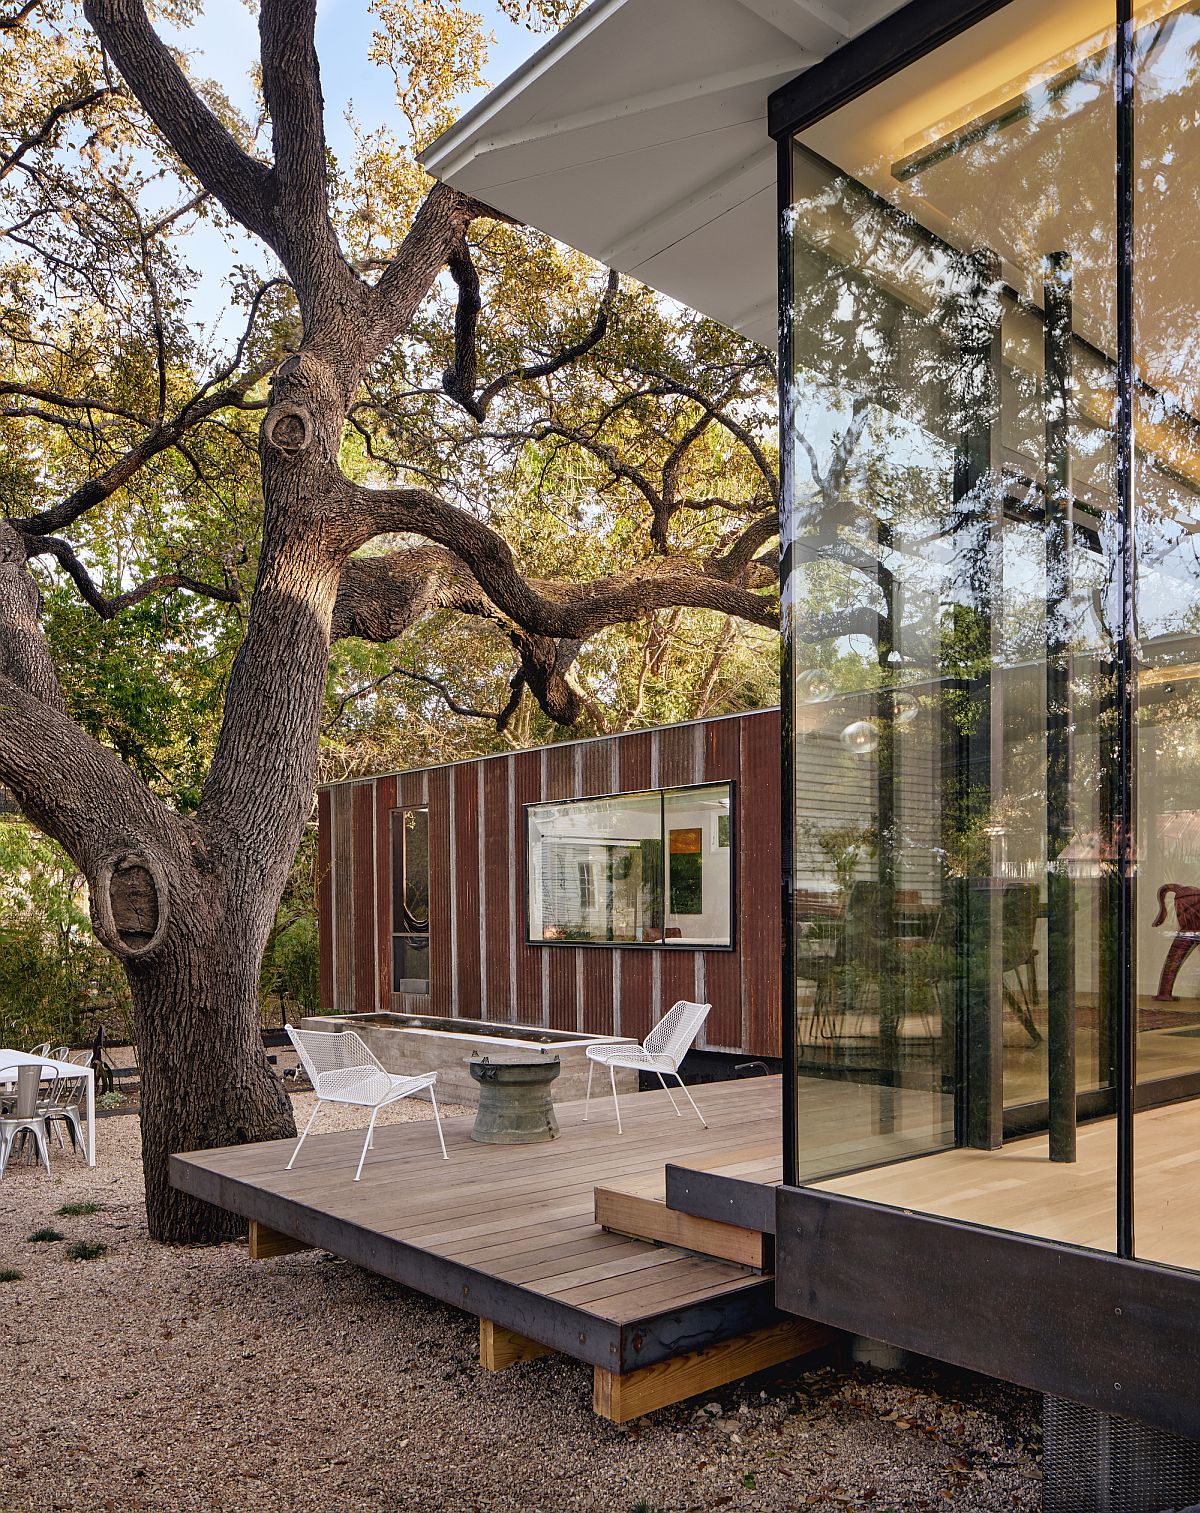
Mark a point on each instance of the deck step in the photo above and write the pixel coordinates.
(622, 1397)
(637, 1207)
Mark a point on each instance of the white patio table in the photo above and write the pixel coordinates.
(64, 1069)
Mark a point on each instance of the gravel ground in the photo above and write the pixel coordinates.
(156, 1378)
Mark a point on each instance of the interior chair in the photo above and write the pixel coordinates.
(661, 1052)
(342, 1070)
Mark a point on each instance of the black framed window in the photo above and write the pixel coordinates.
(990, 433)
(410, 900)
(632, 869)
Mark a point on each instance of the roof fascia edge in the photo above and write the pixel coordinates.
(453, 150)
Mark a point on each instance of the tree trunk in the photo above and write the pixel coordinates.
(206, 1081)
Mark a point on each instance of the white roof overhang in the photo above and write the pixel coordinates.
(638, 135)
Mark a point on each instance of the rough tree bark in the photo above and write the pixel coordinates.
(186, 903)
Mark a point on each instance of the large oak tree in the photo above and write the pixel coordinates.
(185, 897)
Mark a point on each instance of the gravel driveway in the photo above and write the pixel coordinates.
(156, 1378)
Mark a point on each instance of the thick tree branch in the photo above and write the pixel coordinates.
(438, 227)
(56, 770)
(242, 185)
(326, 286)
(379, 598)
(460, 380)
(108, 607)
(555, 610)
(13, 19)
(24, 656)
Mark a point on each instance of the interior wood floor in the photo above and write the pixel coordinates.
(1021, 1189)
(1017, 1187)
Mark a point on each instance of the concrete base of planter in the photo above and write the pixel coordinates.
(408, 1044)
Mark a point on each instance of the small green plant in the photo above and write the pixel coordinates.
(86, 1250)
(78, 1210)
(10, 1274)
(111, 1099)
(46, 1233)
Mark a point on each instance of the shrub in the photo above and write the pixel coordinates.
(86, 1250)
(10, 1274)
(78, 1210)
(46, 1234)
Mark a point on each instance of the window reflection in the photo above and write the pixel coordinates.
(949, 604)
(633, 868)
(953, 606)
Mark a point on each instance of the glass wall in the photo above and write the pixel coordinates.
(992, 612)
(410, 900)
(632, 869)
(1166, 332)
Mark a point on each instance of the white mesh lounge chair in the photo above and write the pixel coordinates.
(342, 1070)
(661, 1052)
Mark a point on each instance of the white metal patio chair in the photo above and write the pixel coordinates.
(64, 1103)
(661, 1052)
(342, 1070)
(25, 1119)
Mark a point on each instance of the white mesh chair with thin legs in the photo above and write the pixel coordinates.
(661, 1052)
(342, 1070)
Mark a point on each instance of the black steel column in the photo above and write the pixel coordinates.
(788, 668)
(1060, 888)
(1122, 916)
(890, 981)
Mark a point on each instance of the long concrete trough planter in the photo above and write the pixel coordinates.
(408, 1044)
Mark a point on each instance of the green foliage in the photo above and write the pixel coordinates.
(56, 981)
(147, 683)
(78, 1210)
(46, 1234)
(11, 1274)
(291, 970)
(86, 1250)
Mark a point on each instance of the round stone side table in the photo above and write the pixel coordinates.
(515, 1107)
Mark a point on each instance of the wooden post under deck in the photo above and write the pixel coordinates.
(265, 1242)
(621, 1398)
(500, 1348)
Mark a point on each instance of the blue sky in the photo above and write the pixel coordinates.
(223, 43)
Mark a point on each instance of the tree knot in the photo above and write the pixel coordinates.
(287, 429)
(130, 904)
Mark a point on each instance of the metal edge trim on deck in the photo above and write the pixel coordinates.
(1126, 1335)
(662, 1337)
(571, 1331)
(728, 1200)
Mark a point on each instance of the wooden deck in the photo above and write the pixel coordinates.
(509, 1232)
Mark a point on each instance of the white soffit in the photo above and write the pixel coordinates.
(638, 135)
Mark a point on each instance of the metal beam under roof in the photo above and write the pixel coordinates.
(638, 135)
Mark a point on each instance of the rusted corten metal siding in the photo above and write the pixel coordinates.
(480, 965)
